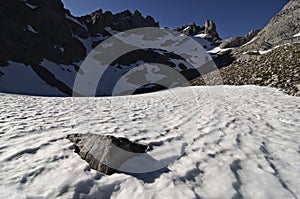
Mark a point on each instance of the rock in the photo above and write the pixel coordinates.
(191, 30)
(97, 21)
(39, 32)
(238, 41)
(26, 36)
(210, 30)
(278, 68)
(280, 30)
(105, 153)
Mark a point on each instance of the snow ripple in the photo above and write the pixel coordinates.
(246, 146)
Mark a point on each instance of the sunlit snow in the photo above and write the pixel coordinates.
(244, 142)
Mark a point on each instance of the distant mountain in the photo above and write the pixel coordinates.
(43, 45)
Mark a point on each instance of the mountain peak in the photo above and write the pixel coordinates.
(209, 29)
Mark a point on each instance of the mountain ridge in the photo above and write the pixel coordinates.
(52, 59)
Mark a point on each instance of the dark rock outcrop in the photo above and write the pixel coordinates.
(210, 30)
(190, 30)
(33, 30)
(105, 153)
(97, 21)
(44, 36)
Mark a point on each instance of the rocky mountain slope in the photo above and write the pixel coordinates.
(270, 58)
(279, 68)
(43, 45)
(280, 30)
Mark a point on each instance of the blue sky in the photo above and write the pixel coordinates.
(232, 17)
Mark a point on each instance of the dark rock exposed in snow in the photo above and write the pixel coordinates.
(105, 153)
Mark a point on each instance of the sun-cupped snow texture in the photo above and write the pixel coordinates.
(235, 142)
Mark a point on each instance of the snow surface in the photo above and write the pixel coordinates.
(31, 29)
(67, 73)
(244, 143)
(60, 48)
(75, 21)
(200, 38)
(29, 5)
(28, 82)
(297, 35)
(218, 50)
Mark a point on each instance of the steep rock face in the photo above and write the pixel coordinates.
(210, 30)
(33, 30)
(238, 41)
(280, 30)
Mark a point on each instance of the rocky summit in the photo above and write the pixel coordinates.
(209, 30)
(97, 21)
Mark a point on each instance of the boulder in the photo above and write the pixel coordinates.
(105, 153)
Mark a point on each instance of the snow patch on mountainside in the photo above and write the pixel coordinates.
(31, 29)
(297, 35)
(218, 50)
(65, 73)
(19, 78)
(205, 43)
(75, 21)
(29, 5)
